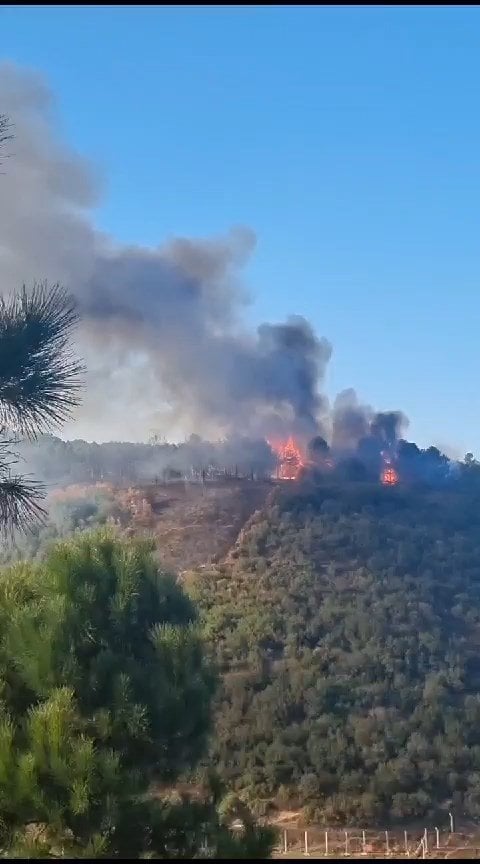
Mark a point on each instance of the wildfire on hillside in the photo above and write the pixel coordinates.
(290, 459)
(389, 476)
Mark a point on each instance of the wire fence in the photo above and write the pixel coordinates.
(355, 843)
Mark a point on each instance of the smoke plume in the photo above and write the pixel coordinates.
(162, 332)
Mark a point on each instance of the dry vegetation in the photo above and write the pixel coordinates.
(195, 525)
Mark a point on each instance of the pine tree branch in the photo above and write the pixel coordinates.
(39, 378)
(19, 496)
(20, 503)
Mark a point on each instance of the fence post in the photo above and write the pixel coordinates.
(387, 844)
(346, 842)
(437, 832)
(363, 842)
(306, 843)
(452, 826)
(405, 834)
(326, 843)
(285, 841)
(425, 839)
(424, 851)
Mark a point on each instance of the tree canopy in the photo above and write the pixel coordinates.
(345, 623)
(106, 694)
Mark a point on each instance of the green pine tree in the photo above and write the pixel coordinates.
(39, 385)
(39, 378)
(106, 696)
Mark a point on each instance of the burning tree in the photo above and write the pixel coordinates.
(389, 476)
(290, 461)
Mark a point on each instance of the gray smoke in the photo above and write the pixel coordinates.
(353, 422)
(162, 331)
(387, 427)
(350, 421)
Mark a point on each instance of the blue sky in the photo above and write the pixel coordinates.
(347, 138)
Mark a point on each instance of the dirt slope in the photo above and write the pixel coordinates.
(194, 524)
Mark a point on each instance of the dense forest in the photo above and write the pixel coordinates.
(346, 623)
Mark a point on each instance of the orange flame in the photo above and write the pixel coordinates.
(290, 461)
(389, 477)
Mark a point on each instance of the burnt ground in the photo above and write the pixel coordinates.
(195, 525)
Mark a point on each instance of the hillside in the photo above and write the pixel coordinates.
(193, 524)
(346, 622)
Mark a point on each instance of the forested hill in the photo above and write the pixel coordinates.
(347, 624)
